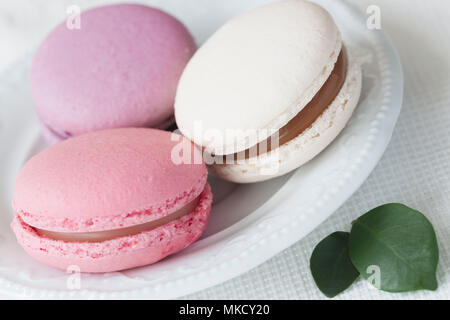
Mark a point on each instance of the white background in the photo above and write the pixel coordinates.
(415, 169)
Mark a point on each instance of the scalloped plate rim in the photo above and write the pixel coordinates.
(278, 240)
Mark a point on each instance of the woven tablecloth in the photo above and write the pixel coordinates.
(415, 169)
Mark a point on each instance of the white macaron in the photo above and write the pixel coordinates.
(268, 91)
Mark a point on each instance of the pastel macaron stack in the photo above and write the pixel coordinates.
(119, 67)
(111, 200)
(268, 91)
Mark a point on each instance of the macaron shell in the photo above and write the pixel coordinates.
(308, 144)
(120, 253)
(120, 69)
(106, 180)
(256, 72)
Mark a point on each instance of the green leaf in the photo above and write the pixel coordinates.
(330, 264)
(395, 248)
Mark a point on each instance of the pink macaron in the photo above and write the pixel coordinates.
(111, 200)
(118, 66)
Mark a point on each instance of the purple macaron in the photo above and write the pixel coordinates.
(120, 68)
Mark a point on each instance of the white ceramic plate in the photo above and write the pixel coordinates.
(249, 223)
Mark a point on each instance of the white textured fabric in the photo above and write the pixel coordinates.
(415, 169)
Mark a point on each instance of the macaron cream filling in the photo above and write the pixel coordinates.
(97, 236)
(306, 117)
